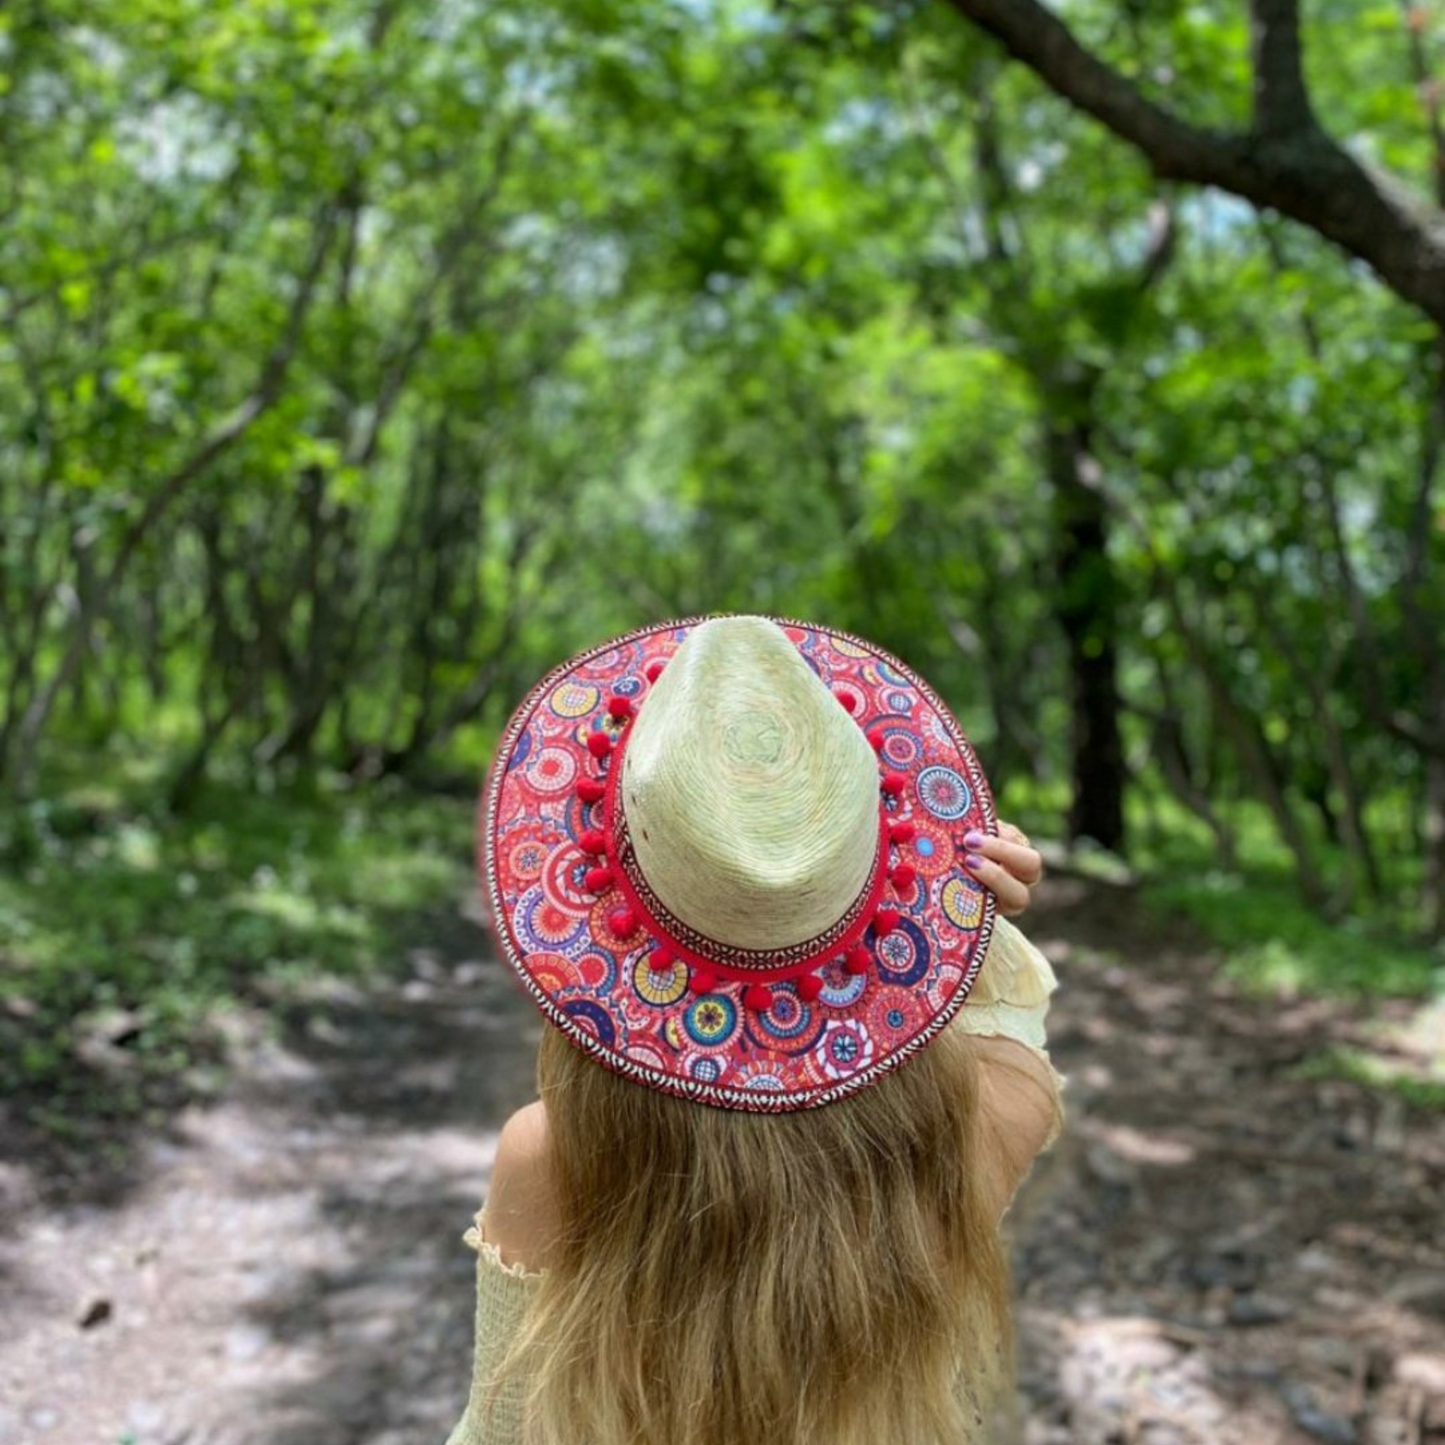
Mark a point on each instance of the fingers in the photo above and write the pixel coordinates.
(1006, 863)
(1017, 858)
(1013, 896)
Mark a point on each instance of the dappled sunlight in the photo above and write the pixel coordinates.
(1137, 1146)
(1136, 1370)
(293, 1257)
(1223, 1246)
(302, 912)
(362, 359)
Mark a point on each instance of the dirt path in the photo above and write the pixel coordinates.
(1217, 1252)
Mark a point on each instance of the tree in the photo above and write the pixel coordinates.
(1283, 159)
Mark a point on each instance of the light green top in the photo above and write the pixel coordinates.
(1009, 998)
(503, 1291)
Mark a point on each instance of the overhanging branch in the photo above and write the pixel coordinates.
(1287, 162)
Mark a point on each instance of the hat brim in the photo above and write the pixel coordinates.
(600, 989)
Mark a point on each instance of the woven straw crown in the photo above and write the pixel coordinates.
(750, 795)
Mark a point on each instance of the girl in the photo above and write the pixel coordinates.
(751, 874)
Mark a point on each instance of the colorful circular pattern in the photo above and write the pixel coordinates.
(528, 856)
(845, 1048)
(789, 1026)
(900, 746)
(646, 1024)
(788, 1017)
(931, 852)
(574, 700)
(643, 1051)
(841, 989)
(903, 954)
(962, 902)
(553, 770)
(553, 972)
(893, 1013)
(596, 971)
(705, 1068)
(593, 1019)
(711, 1021)
(547, 928)
(659, 987)
(944, 793)
(521, 752)
(563, 879)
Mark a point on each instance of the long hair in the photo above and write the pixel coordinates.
(834, 1276)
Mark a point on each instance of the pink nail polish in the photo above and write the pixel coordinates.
(972, 860)
(973, 839)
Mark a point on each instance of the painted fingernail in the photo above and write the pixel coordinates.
(972, 860)
(973, 838)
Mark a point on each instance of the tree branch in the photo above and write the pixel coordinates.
(270, 380)
(1281, 102)
(1033, 34)
(1285, 162)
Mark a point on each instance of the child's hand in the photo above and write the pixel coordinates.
(1009, 864)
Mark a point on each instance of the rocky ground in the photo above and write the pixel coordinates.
(1219, 1250)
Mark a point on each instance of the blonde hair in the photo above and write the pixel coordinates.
(833, 1276)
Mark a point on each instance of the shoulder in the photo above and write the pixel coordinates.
(1021, 1109)
(521, 1216)
(524, 1140)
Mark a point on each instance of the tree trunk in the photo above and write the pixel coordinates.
(1087, 609)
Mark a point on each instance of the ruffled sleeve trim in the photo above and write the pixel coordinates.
(1011, 994)
(490, 1256)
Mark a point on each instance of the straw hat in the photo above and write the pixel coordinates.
(725, 857)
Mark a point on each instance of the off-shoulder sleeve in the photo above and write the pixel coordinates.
(503, 1294)
(1012, 991)
(1010, 1000)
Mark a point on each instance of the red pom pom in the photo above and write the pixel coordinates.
(619, 707)
(903, 875)
(857, 959)
(758, 997)
(599, 744)
(702, 980)
(598, 880)
(654, 669)
(885, 920)
(848, 698)
(894, 784)
(902, 831)
(809, 987)
(623, 922)
(877, 739)
(591, 790)
(594, 841)
(661, 958)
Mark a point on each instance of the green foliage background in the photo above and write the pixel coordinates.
(360, 360)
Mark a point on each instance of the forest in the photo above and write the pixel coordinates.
(362, 359)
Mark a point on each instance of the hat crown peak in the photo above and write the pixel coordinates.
(751, 795)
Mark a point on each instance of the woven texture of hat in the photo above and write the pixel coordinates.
(751, 796)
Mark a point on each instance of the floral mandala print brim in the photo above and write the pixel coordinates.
(630, 1006)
